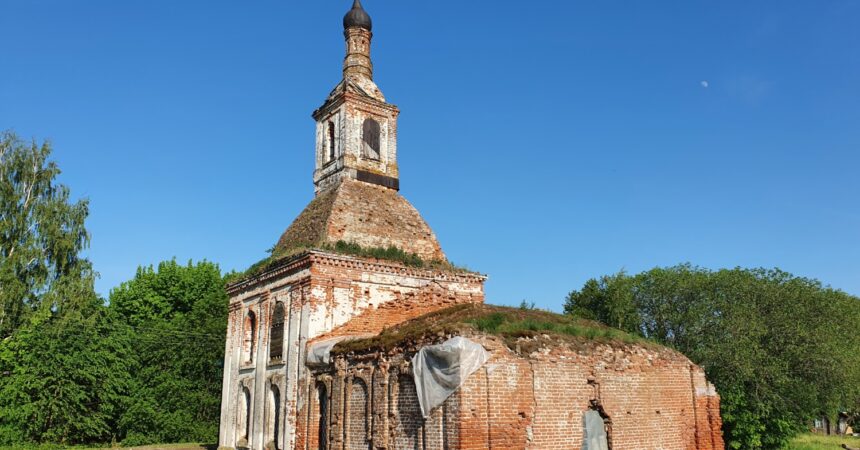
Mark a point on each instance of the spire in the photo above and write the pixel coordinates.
(356, 127)
(357, 17)
(357, 26)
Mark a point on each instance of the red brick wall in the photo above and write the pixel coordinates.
(317, 420)
(407, 415)
(655, 398)
(357, 418)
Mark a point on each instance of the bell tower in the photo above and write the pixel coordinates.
(356, 132)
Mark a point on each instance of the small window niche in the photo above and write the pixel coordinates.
(250, 333)
(331, 142)
(243, 424)
(370, 139)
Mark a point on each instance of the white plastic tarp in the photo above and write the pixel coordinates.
(440, 369)
(595, 431)
(319, 353)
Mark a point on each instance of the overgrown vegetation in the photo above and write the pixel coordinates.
(508, 323)
(780, 349)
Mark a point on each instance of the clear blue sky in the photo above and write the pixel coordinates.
(545, 142)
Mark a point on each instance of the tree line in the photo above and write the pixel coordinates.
(781, 349)
(143, 366)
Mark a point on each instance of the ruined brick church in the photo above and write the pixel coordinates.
(331, 345)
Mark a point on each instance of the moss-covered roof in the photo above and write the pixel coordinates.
(511, 324)
(308, 230)
(361, 213)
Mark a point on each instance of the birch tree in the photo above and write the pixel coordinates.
(41, 232)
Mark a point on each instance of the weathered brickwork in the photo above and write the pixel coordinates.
(365, 214)
(321, 293)
(407, 416)
(653, 398)
(357, 417)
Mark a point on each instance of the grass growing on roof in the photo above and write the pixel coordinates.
(511, 324)
(390, 253)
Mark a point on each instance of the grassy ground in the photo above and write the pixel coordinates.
(816, 442)
(175, 447)
(146, 447)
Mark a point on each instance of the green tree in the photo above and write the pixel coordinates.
(62, 374)
(780, 349)
(41, 231)
(178, 317)
(67, 377)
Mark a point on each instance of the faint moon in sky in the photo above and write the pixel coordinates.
(705, 84)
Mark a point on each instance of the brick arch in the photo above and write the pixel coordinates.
(357, 437)
(409, 420)
(249, 331)
(318, 430)
(243, 418)
(274, 415)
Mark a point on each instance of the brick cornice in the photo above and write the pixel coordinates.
(310, 258)
(287, 265)
(356, 99)
(390, 267)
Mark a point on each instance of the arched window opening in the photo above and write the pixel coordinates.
(370, 139)
(274, 416)
(331, 142)
(321, 417)
(250, 332)
(356, 426)
(408, 429)
(276, 334)
(243, 422)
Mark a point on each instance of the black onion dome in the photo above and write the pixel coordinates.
(357, 17)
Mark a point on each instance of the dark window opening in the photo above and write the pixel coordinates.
(370, 139)
(276, 336)
(331, 143)
(276, 405)
(322, 431)
(246, 394)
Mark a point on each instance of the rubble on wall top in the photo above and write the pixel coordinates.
(522, 330)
